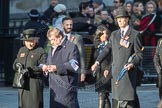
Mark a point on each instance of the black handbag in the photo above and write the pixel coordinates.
(19, 78)
(18, 81)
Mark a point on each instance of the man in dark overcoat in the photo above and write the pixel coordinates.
(62, 67)
(123, 45)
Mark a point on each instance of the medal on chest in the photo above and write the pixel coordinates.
(124, 42)
(22, 54)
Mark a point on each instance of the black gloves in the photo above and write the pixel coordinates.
(19, 66)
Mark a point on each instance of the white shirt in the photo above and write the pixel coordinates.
(55, 47)
(68, 35)
(125, 29)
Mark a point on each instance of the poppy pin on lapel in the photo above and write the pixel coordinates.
(72, 38)
(126, 37)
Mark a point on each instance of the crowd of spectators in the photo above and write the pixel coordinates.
(144, 17)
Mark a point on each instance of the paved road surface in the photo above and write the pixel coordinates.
(148, 95)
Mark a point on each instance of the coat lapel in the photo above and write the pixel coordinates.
(118, 37)
(128, 33)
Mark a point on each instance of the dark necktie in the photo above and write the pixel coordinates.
(66, 37)
(122, 33)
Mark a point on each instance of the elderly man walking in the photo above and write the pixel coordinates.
(124, 42)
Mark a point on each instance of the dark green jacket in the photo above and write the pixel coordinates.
(32, 95)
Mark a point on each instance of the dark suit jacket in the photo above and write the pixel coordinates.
(63, 83)
(125, 90)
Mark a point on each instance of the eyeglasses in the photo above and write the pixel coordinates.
(116, 1)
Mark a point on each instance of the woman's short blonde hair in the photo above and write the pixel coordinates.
(56, 32)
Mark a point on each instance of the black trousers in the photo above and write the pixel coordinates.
(103, 100)
(160, 93)
(137, 103)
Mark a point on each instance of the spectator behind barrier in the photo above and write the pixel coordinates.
(35, 23)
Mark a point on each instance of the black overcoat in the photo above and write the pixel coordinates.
(63, 83)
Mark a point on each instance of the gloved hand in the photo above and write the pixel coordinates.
(19, 66)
